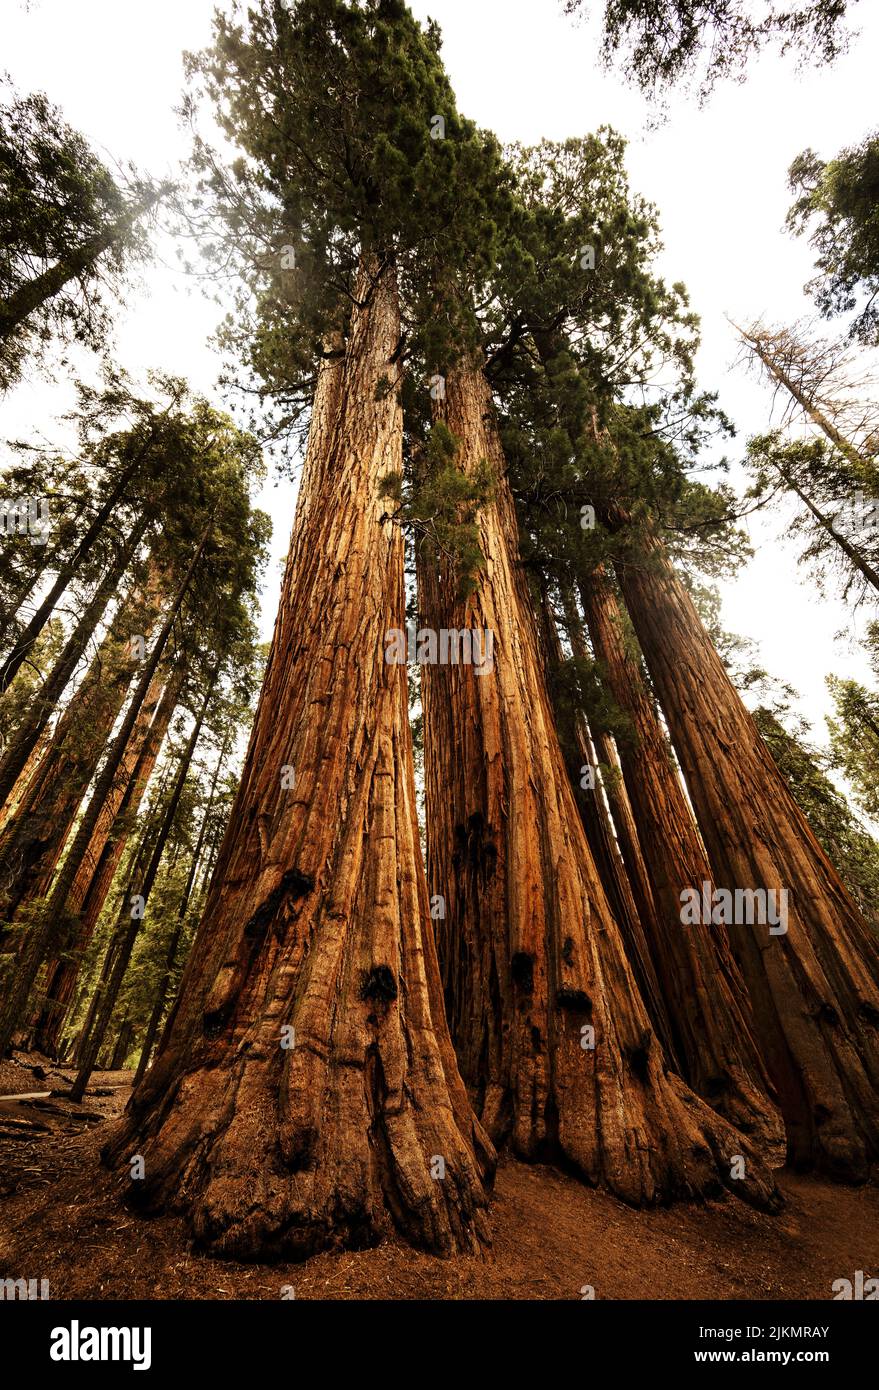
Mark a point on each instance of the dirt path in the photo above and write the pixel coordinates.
(61, 1218)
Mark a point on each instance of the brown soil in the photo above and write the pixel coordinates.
(61, 1218)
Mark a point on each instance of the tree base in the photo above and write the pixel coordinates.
(272, 1163)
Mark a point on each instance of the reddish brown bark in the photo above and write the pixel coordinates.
(579, 753)
(34, 837)
(48, 928)
(621, 809)
(708, 1004)
(317, 915)
(814, 989)
(533, 956)
(101, 860)
(141, 878)
(16, 796)
(44, 702)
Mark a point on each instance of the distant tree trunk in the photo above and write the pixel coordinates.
(102, 857)
(81, 259)
(52, 922)
(42, 706)
(708, 1003)
(128, 925)
(551, 1031)
(158, 1008)
(67, 571)
(95, 877)
(34, 837)
(761, 345)
(618, 798)
(814, 988)
(23, 781)
(579, 753)
(317, 917)
(856, 557)
(122, 1046)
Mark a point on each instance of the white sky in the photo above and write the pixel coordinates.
(718, 177)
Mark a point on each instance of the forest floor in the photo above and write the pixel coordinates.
(61, 1219)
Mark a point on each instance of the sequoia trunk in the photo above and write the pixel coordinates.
(581, 760)
(813, 986)
(708, 1003)
(305, 1094)
(551, 1032)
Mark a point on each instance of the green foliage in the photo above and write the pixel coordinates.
(854, 737)
(182, 464)
(333, 106)
(55, 196)
(438, 503)
(838, 205)
(41, 659)
(666, 41)
(580, 685)
(833, 516)
(844, 839)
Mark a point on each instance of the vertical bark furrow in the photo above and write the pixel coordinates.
(708, 1004)
(813, 989)
(527, 919)
(317, 915)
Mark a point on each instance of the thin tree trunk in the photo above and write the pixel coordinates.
(128, 926)
(51, 924)
(813, 988)
(158, 1008)
(34, 837)
(43, 704)
(579, 753)
(32, 629)
(317, 917)
(122, 1046)
(101, 859)
(863, 466)
(99, 884)
(29, 296)
(709, 1007)
(852, 554)
(550, 1028)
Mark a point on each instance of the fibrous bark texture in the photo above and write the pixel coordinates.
(532, 957)
(580, 757)
(317, 918)
(813, 988)
(708, 1004)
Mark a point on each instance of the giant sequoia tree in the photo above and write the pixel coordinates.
(548, 1021)
(480, 349)
(813, 989)
(305, 1093)
(534, 965)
